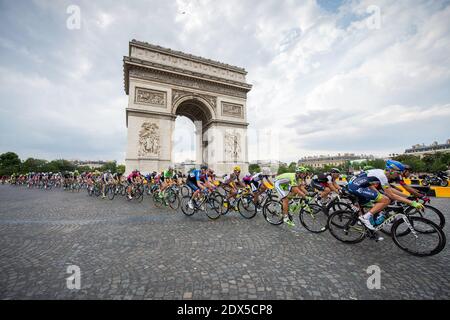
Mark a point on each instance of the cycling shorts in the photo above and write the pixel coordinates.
(282, 189)
(364, 194)
(192, 185)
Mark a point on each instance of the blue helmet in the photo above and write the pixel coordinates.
(394, 165)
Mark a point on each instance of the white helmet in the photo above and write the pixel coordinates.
(266, 171)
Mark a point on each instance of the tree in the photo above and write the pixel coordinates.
(111, 165)
(121, 169)
(283, 168)
(33, 165)
(9, 163)
(253, 168)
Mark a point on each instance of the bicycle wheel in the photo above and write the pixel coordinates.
(247, 207)
(157, 200)
(185, 191)
(212, 206)
(430, 213)
(111, 192)
(416, 242)
(344, 226)
(273, 212)
(185, 206)
(313, 218)
(139, 196)
(173, 200)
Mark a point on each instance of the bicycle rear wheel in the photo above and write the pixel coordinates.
(344, 226)
(416, 242)
(213, 208)
(313, 218)
(185, 206)
(273, 212)
(247, 207)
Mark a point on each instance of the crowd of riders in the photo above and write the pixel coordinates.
(375, 185)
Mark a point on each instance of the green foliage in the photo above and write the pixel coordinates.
(283, 168)
(121, 168)
(253, 168)
(429, 163)
(9, 163)
(112, 165)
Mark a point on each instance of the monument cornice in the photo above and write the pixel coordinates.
(146, 45)
(147, 72)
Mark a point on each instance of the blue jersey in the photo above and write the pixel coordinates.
(194, 175)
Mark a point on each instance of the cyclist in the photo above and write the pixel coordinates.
(326, 183)
(107, 178)
(259, 181)
(366, 185)
(231, 184)
(195, 184)
(289, 184)
(165, 180)
(399, 180)
(133, 177)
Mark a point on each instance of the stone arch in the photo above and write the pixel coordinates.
(201, 108)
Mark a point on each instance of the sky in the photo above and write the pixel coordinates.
(328, 77)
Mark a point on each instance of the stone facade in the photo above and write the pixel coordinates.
(163, 84)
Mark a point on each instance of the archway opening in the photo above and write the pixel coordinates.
(184, 142)
(188, 145)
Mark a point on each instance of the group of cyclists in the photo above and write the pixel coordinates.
(370, 201)
(380, 187)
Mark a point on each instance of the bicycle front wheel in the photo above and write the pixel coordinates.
(313, 218)
(173, 200)
(416, 242)
(273, 212)
(344, 226)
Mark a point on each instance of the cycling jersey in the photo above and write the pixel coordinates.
(360, 185)
(284, 183)
(192, 179)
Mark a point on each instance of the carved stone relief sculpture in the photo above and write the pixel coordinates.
(149, 139)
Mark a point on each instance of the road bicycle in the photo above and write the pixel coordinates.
(209, 202)
(310, 215)
(243, 202)
(413, 234)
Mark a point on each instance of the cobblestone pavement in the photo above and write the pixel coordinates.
(134, 251)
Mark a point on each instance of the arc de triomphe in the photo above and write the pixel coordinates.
(163, 84)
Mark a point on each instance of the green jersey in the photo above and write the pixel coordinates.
(288, 179)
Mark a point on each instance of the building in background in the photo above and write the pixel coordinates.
(333, 160)
(89, 163)
(185, 166)
(422, 150)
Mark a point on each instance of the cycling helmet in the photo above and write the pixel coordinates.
(301, 170)
(204, 167)
(394, 165)
(335, 170)
(237, 168)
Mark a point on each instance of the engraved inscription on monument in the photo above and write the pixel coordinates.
(150, 97)
(231, 109)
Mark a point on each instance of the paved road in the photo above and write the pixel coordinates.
(132, 251)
